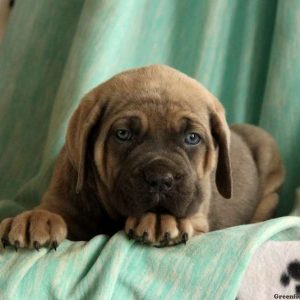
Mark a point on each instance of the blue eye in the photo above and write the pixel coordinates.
(192, 138)
(123, 135)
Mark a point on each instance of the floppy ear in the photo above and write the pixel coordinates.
(221, 134)
(85, 117)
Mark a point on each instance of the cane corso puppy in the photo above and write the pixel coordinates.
(150, 151)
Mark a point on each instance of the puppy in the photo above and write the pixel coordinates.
(150, 149)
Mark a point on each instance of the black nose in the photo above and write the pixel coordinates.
(159, 182)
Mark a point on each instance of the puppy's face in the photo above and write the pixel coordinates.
(156, 157)
(154, 149)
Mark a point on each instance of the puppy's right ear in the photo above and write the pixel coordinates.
(90, 111)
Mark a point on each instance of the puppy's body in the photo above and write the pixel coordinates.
(151, 148)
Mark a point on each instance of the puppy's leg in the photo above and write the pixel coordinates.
(265, 208)
(269, 165)
(45, 225)
(33, 229)
(165, 230)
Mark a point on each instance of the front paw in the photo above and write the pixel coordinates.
(159, 230)
(33, 229)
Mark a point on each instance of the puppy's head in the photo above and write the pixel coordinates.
(158, 136)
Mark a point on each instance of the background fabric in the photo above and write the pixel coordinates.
(245, 52)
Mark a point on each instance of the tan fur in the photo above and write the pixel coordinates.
(152, 228)
(270, 168)
(239, 168)
(36, 226)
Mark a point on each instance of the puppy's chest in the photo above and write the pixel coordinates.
(91, 219)
(88, 226)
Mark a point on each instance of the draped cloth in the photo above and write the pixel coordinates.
(244, 52)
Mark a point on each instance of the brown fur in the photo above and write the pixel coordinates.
(230, 178)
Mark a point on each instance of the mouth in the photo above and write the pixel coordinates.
(159, 210)
(157, 198)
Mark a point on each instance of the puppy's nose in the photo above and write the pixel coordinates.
(159, 182)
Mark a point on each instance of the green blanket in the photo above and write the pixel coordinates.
(209, 267)
(245, 52)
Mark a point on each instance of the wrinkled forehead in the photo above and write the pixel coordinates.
(158, 106)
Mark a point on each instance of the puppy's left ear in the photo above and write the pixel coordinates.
(221, 133)
(89, 112)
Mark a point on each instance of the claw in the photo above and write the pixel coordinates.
(17, 245)
(130, 234)
(36, 245)
(4, 242)
(54, 245)
(185, 237)
(144, 239)
(166, 240)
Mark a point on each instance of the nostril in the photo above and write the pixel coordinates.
(168, 182)
(153, 183)
(178, 177)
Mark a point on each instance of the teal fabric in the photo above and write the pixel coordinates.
(245, 52)
(209, 267)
